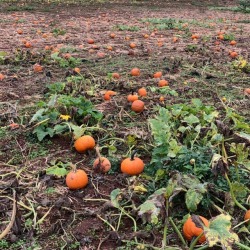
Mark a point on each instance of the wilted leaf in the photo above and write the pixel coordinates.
(239, 190)
(154, 207)
(219, 165)
(219, 231)
(115, 196)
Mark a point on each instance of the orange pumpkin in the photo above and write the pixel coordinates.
(163, 83)
(84, 143)
(37, 68)
(247, 216)
(132, 166)
(76, 179)
(132, 98)
(233, 54)
(233, 43)
(132, 45)
(116, 75)
(142, 92)
(135, 72)
(158, 74)
(2, 76)
(190, 230)
(137, 106)
(104, 167)
(246, 91)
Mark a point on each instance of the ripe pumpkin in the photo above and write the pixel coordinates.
(2, 76)
(233, 54)
(133, 165)
(76, 179)
(158, 74)
(135, 72)
(246, 91)
(190, 230)
(112, 35)
(37, 68)
(90, 41)
(84, 143)
(142, 92)
(108, 94)
(77, 70)
(116, 75)
(20, 31)
(163, 83)
(161, 99)
(195, 36)
(132, 45)
(132, 98)
(104, 167)
(247, 216)
(137, 106)
(233, 43)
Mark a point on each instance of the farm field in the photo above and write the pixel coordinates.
(124, 125)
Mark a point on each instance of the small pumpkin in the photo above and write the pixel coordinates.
(90, 41)
(135, 72)
(157, 74)
(247, 216)
(112, 35)
(133, 165)
(163, 83)
(190, 230)
(76, 178)
(142, 92)
(247, 91)
(137, 106)
(233, 54)
(84, 143)
(132, 98)
(2, 76)
(37, 68)
(132, 45)
(101, 164)
(116, 75)
(233, 42)
(108, 94)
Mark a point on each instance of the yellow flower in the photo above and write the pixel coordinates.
(65, 117)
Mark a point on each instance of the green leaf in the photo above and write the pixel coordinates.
(3, 53)
(60, 128)
(197, 102)
(240, 190)
(115, 196)
(192, 198)
(219, 231)
(42, 131)
(58, 170)
(191, 119)
(38, 116)
(174, 148)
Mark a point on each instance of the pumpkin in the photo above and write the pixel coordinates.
(132, 45)
(77, 70)
(163, 83)
(246, 91)
(84, 143)
(2, 76)
(133, 165)
(132, 98)
(157, 74)
(135, 72)
(247, 216)
(142, 92)
(233, 54)
(137, 106)
(233, 42)
(101, 164)
(190, 230)
(90, 41)
(76, 178)
(37, 68)
(112, 35)
(108, 94)
(116, 75)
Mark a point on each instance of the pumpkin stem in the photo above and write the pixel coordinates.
(133, 155)
(98, 153)
(73, 167)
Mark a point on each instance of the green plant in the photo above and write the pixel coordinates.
(58, 32)
(71, 62)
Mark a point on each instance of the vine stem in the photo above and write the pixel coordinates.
(178, 232)
(232, 194)
(224, 153)
(13, 216)
(165, 230)
(193, 244)
(242, 246)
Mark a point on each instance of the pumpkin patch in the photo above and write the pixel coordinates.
(121, 120)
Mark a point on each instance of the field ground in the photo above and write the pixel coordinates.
(49, 70)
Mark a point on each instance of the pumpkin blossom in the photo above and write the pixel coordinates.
(65, 117)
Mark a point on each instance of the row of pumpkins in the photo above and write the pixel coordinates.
(77, 178)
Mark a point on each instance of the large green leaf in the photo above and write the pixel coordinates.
(59, 169)
(220, 232)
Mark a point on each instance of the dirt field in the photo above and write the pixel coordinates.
(56, 37)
